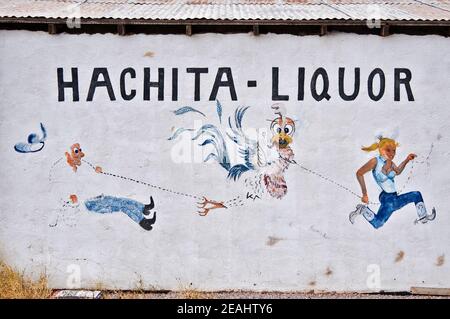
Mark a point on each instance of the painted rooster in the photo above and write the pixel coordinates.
(268, 162)
(264, 162)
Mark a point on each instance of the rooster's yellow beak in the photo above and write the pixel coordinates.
(282, 140)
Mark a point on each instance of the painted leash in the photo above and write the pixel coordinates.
(326, 178)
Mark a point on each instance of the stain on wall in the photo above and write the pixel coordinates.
(440, 261)
(400, 256)
(271, 240)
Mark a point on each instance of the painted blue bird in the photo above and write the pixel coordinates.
(34, 144)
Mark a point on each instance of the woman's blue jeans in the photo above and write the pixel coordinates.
(391, 202)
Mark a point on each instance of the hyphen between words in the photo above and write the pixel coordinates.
(155, 85)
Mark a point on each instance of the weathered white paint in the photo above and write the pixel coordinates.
(301, 242)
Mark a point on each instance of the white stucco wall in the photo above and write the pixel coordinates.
(301, 242)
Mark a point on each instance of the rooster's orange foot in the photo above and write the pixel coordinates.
(206, 205)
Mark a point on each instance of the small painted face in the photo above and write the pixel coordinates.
(76, 151)
(388, 151)
(283, 129)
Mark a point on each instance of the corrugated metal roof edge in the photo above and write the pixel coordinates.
(205, 21)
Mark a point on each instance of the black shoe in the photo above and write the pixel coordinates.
(358, 211)
(432, 216)
(426, 218)
(149, 207)
(147, 223)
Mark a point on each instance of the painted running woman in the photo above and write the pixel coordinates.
(384, 172)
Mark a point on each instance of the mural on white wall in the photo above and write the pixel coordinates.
(244, 158)
(266, 161)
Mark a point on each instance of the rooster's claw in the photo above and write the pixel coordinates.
(206, 205)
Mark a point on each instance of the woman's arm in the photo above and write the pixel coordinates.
(398, 170)
(370, 165)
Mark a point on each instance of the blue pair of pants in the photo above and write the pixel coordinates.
(109, 204)
(390, 202)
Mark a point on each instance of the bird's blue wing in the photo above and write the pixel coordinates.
(247, 146)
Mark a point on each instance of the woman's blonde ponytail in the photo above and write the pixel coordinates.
(371, 148)
(376, 146)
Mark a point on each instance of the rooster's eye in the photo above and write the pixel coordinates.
(288, 129)
(75, 151)
(276, 128)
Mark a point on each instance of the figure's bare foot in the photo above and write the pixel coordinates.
(98, 169)
(206, 205)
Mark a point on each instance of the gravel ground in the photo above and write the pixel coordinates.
(261, 295)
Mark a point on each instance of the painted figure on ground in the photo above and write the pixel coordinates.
(384, 171)
(104, 204)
